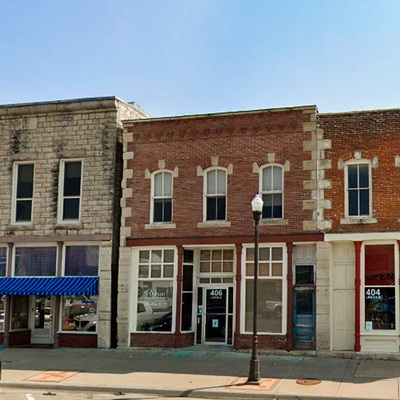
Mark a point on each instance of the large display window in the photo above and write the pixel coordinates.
(270, 290)
(379, 288)
(155, 291)
(19, 312)
(79, 313)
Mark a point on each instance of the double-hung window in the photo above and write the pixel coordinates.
(271, 188)
(70, 191)
(162, 197)
(215, 195)
(358, 188)
(23, 193)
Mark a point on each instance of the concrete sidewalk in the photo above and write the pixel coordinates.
(199, 372)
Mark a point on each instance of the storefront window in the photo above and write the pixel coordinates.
(81, 261)
(379, 290)
(155, 291)
(79, 313)
(2, 312)
(270, 288)
(3, 261)
(35, 261)
(19, 312)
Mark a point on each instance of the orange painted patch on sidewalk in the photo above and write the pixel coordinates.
(266, 384)
(52, 376)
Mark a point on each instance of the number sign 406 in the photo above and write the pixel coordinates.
(216, 293)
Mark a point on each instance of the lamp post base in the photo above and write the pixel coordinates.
(254, 374)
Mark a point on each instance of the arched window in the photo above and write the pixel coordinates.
(162, 197)
(271, 189)
(215, 195)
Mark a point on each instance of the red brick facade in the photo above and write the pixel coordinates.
(78, 341)
(239, 139)
(241, 143)
(376, 135)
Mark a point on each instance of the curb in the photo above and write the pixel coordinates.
(190, 393)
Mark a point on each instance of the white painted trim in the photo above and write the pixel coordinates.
(14, 193)
(152, 198)
(61, 180)
(260, 181)
(284, 287)
(205, 195)
(370, 236)
(357, 161)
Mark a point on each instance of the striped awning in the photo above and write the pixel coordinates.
(66, 286)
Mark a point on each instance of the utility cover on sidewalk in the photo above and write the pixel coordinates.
(308, 381)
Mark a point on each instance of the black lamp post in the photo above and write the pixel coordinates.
(254, 374)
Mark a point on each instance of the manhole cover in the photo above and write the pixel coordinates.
(308, 381)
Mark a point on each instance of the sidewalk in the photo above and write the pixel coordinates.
(199, 372)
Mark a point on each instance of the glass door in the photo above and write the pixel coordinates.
(215, 321)
(215, 315)
(42, 330)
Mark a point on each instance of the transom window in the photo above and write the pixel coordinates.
(271, 187)
(216, 266)
(215, 195)
(162, 197)
(23, 193)
(35, 261)
(81, 260)
(70, 190)
(358, 190)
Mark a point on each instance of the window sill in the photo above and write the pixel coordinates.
(160, 226)
(69, 225)
(278, 222)
(358, 221)
(21, 227)
(214, 224)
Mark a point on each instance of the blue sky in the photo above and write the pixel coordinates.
(176, 57)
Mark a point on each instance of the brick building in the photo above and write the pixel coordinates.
(60, 170)
(364, 235)
(187, 233)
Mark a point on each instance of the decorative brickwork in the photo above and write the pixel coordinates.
(372, 136)
(78, 341)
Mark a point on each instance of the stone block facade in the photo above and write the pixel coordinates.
(45, 134)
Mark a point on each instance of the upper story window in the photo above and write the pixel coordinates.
(23, 193)
(3, 262)
(215, 195)
(358, 188)
(35, 261)
(81, 261)
(70, 191)
(162, 197)
(271, 189)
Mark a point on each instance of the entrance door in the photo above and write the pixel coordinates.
(42, 329)
(304, 307)
(215, 315)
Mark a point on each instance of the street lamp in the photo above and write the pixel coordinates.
(254, 374)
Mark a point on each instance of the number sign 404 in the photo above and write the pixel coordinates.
(373, 293)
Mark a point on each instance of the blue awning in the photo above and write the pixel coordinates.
(66, 286)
